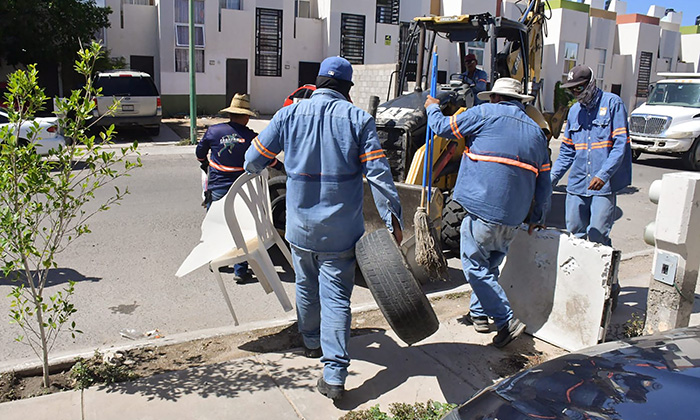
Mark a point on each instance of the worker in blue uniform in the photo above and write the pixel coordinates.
(504, 171)
(596, 147)
(475, 77)
(329, 145)
(221, 153)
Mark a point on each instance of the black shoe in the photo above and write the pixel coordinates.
(508, 333)
(312, 353)
(244, 278)
(334, 392)
(480, 323)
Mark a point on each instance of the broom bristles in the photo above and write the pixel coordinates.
(428, 250)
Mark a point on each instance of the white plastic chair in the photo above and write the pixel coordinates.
(239, 228)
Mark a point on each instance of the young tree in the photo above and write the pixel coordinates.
(43, 200)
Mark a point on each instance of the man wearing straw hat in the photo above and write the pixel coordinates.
(329, 144)
(504, 166)
(221, 152)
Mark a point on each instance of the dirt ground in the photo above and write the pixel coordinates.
(152, 360)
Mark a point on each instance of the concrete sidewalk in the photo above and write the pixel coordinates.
(449, 366)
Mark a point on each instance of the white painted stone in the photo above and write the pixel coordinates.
(557, 285)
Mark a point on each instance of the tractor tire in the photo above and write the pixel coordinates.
(397, 293)
(452, 215)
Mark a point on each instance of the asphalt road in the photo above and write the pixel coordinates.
(125, 268)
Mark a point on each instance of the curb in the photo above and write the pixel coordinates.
(64, 361)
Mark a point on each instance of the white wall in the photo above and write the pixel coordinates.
(690, 47)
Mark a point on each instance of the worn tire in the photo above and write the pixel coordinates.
(396, 291)
(636, 154)
(279, 213)
(452, 215)
(691, 158)
(277, 186)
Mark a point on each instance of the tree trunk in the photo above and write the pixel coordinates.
(44, 345)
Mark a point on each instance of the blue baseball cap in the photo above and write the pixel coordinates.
(336, 68)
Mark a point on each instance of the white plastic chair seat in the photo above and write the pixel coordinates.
(239, 228)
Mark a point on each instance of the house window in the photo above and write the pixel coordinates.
(644, 75)
(388, 11)
(302, 8)
(570, 57)
(268, 42)
(600, 68)
(352, 38)
(182, 60)
(182, 36)
(230, 4)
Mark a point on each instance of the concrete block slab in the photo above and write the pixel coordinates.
(59, 406)
(209, 392)
(382, 371)
(557, 284)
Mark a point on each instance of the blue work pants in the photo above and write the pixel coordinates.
(324, 282)
(483, 247)
(591, 217)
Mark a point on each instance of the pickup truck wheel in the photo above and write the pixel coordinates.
(691, 158)
(397, 293)
(452, 216)
(636, 154)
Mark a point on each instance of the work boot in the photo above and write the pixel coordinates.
(508, 333)
(480, 323)
(312, 353)
(334, 392)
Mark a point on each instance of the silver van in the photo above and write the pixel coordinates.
(139, 100)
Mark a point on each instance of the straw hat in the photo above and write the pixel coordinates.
(507, 87)
(240, 104)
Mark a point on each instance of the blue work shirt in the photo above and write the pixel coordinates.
(227, 143)
(479, 79)
(595, 144)
(505, 162)
(328, 145)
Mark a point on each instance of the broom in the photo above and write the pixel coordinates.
(428, 251)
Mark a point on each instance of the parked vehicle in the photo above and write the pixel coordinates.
(652, 377)
(139, 100)
(47, 137)
(669, 122)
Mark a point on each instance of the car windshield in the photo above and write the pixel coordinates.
(680, 94)
(126, 86)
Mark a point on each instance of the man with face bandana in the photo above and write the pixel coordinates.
(596, 147)
(329, 145)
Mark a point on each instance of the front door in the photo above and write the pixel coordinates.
(142, 63)
(236, 77)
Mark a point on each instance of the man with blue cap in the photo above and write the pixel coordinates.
(329, 145)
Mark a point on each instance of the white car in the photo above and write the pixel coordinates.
(47, 138)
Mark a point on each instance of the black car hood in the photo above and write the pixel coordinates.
(653, 377)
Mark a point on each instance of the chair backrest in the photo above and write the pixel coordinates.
(247, 208)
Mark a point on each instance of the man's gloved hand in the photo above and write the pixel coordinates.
(204, 165)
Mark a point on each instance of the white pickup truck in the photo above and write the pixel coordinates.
(669, 122)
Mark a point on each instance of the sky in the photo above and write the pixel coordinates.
(690, 8)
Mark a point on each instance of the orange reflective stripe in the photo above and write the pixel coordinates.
(374, 152)
(567, 141)
(224, 168)
(546, 167)
(621, 130)
(505, 161)
(262, 149)
(367, 159)
(453, 126)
